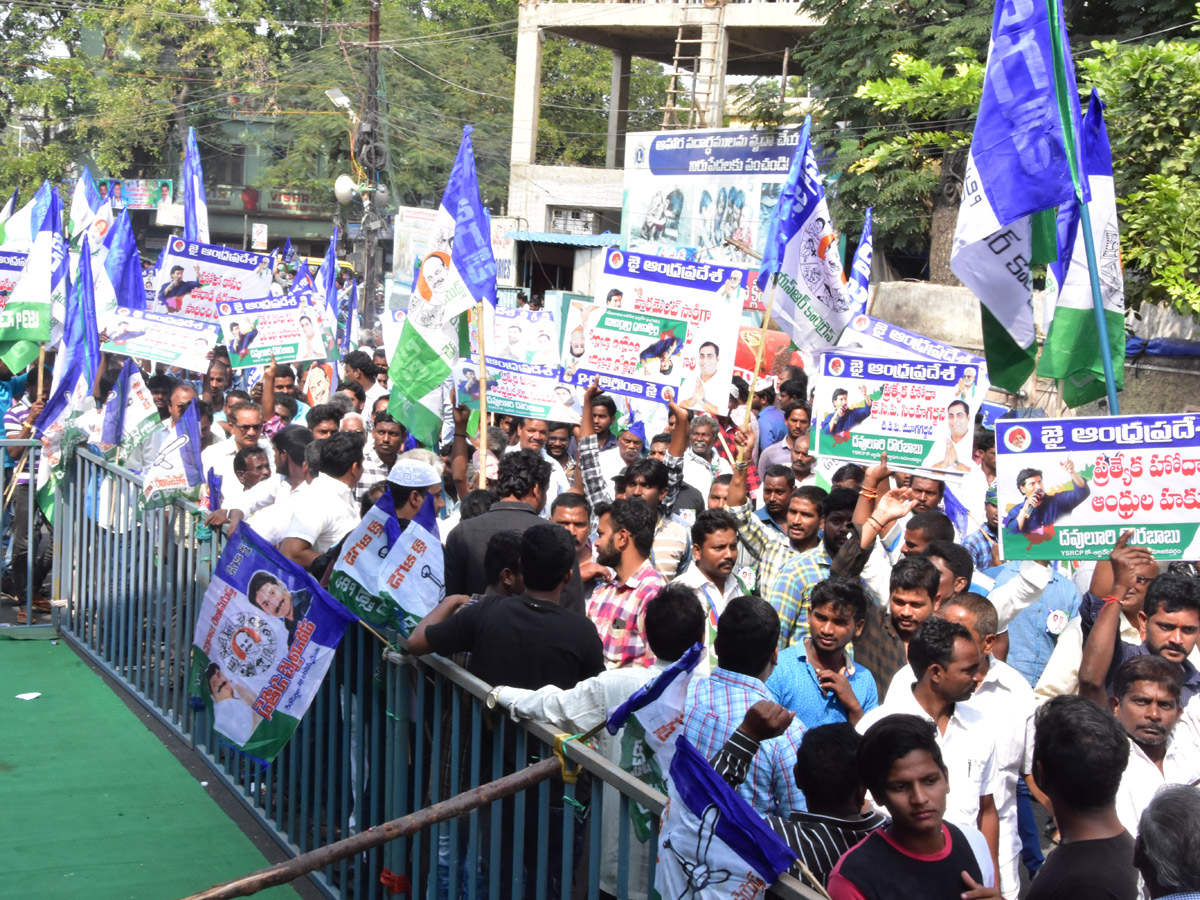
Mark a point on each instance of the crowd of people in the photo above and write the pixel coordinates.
(894, 700)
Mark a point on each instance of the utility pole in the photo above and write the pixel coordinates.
(371, 152)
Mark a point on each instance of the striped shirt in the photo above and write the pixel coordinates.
(790, 590)
(13, 420)
(818, 841)
(619, 613)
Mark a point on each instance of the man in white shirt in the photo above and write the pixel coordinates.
(361, 369)
(329, 511)
(714, 553)
(289, 443)
(1147, 705)
(945, 662)
(701, 464)
(246, 420)
(531, 435)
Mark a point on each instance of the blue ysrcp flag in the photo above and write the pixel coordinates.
(36, 307)
(265, 636)
(957, 513)
(195, 203)
(860, 269)
(129, 415)
(350, 331)
(175, 473)
(812, 302)
(712, 844)
(289, 253)
(64, 424)
(457, 272)
(1072, 349)
(1020, 164)
(118, 272)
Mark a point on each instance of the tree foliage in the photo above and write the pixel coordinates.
(1152, 92)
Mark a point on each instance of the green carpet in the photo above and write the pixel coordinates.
(91, 803)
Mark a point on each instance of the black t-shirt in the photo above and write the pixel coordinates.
(521, 642)
(1088, 870)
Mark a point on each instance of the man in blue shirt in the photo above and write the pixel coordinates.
(771, 427)
(1033, 634)
(844, 417)
(1041, 510)
(747, 634)
(815, 678)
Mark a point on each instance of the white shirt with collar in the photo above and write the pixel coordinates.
(559, 483)
(1143, 779)
(219, 458)
(271, 521)
(713, 599)
(699, 472)
(328, 513)
(968, 751)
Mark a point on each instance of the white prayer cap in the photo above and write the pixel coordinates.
(412, 473)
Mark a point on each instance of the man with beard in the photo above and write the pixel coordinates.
(1148, 708)
(558, 447)
(714, 555)
(778, 484)
(795, 419)
(883, 648)
(701, 464)
(803, 524)
(789, 592)
(624, 537)
(945, 662)
(1169, 621)
(803, 461)
(532, 434)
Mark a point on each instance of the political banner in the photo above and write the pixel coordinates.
(391, 321)
(265, 636)
(703, 195)
(517, 389)
(879, 338)
(279, 327)
(173, 340)
(11, 266)
(388, 573)
(195, 277)
(921, 412)
(708, 297)
(1068, 488)
(713, 845)
(632, 353)
(778, 354)
(136, 193)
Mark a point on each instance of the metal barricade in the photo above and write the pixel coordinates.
(25, 539)
(388, 734)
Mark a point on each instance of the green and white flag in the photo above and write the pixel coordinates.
(34, 311)
(457, 272)
(1072, 350)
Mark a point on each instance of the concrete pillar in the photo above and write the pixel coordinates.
(714, 58)
(527, 93)
(618, 110)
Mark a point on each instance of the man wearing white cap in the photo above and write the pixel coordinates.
(410, 481)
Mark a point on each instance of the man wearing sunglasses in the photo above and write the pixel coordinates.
(246, 424)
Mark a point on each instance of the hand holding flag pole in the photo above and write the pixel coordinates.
(479, 330)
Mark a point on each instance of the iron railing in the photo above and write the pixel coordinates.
(387, 734)
(27, 542)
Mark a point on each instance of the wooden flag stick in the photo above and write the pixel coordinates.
(24, 460)
(744, 451)
(483, 444)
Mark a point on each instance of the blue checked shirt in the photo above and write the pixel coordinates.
(715, 708)
(794, 684)
(1030, 640)
(790, 590)
(980, 548)
(773, 549)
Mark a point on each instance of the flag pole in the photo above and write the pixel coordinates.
(1089, 246)
(744, 450)
(479, 329)
(1061, 54)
